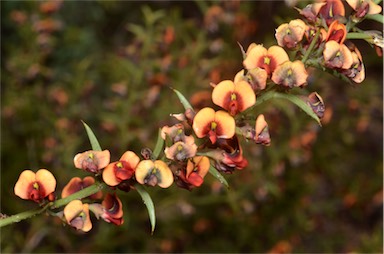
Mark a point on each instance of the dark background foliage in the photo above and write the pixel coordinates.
(111, 63)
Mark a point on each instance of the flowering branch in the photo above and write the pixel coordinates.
(53, 205)
(209, 140)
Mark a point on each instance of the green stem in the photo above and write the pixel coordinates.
(363, 36)
(90, 190)
(52, 205)
(311, 46)
(22, 216)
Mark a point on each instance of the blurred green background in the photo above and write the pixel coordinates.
(111, 63)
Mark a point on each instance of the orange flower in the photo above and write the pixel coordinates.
(110, 210)
(261, 131)
(336, 32)
(213, 124)
(92, 161)
(290, 74)
(331, 10)
(337, 55)
(175, 132)
(364, 7)
(121, 170)
(256, 77)
(197, 168)
(233, 97)
(315, 101)
(258, 56)
(76, 184)
(154, 173)
(311, 11)
(229, 156)
(77, 215)
(35, 186)
(357, 71)
(181, 151)
(288, 35)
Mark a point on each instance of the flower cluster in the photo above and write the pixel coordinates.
(209, 140)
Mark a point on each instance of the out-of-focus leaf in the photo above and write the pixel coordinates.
(149, 204)
(213, 171)
(92, 138)
(183, 100)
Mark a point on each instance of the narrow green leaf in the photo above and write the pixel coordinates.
(375, 17)
(149, 204)
(92, 138)
(244, 54)
(213, 171)
(159, 146)
(183, 100)
(292, 98)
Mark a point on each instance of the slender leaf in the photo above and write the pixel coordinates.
(92, 138)
(149, 204)
(375, 17)
(292, 98)
(159, 146)
(183, 100)
(213, 171)
(244, 54)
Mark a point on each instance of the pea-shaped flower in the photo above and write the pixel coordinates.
(213, 124)
(336, 32)
(77, 215)
(197, 168)
(233, 97)
(110, 210)
(289, 34)
(258, 56)
(92, 161)
(357, 71)
(76, 184)
(337, 56)
(364, 7)
(181, 151)
(121, 170)
(35, 186)
(331, 10)
(290, 74)
(154, 173)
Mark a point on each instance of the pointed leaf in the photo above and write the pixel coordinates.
(183, 100)
(159, 146)
(92, 138)
(213, 171)
(242, 51)
(149, 204)
(290, 97)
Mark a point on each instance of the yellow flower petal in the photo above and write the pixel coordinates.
(222, 92)
(109, 176)
(202, 121)
(254, 56)
(87, 223)
(143, 169)
(47, 180)
(225, 124)
(246, 95)
(165, 174)
(26, 178)
(72, 210)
